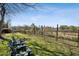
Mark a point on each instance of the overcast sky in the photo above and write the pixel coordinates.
(49, 15)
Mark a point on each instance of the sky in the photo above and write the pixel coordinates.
(49, 14)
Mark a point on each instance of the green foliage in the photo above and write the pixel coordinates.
(63, 27)
(73, 28)
(43, 46)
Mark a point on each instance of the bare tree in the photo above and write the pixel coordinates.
(7, 8)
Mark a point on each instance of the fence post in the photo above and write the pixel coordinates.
(57, 33)
(78, 38)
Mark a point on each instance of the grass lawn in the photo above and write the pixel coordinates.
(42, 46)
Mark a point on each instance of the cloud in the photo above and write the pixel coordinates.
(47, 9)
(35, 18)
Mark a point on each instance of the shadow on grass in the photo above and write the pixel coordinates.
(42, 48)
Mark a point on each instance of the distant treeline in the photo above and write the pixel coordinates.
(46, 28)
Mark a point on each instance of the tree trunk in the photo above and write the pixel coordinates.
(2, 13)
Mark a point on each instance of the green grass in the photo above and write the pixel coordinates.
(42, 46)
